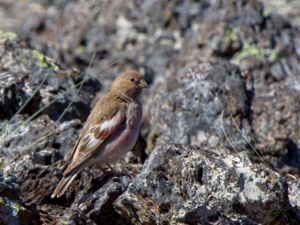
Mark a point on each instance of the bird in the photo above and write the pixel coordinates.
(110, 130)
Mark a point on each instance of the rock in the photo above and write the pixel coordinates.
(294, 193)
(275, 109)
(59, 215)
(202, 106)
(181, 184)
(15, 90)
(144, 36)
(97, 203)
(12, 210)
(40, 141)
(270, 55)
(31, 73)
(287, 8)
(293, 210)
(88, 199)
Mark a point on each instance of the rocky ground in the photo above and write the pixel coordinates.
(220, 138)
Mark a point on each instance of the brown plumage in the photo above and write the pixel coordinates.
(111, 129)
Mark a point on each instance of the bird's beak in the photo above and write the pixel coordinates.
(143, 83)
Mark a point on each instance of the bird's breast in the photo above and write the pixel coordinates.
(134, 115)
(125, 139)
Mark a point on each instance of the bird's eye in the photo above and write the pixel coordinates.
(132, 79)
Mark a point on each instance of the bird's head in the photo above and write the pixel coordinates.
(129, 83)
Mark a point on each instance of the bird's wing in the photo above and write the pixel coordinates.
(92, 137)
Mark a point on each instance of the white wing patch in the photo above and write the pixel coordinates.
(109, 123)
(93, 142)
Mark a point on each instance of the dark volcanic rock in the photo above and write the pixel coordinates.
(30, 73)
(142, 35)
(294, 194)
(185, 184)
(39, 141)
(89, 198)
(201, 107)
(15, 91)
(12, 210)
(275, 119)
(265, 45)
(97, 203)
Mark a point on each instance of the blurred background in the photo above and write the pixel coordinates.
(153, 35)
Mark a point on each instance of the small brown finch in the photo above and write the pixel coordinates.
(111, 129)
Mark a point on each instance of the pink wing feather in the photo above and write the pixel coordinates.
(92, 140)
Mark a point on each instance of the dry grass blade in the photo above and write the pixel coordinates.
(227, 138)
(258, 153)
(40, 139)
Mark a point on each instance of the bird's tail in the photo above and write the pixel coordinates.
(63, 185)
